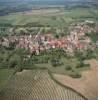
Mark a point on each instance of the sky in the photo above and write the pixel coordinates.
(41, 0)
(44, 0)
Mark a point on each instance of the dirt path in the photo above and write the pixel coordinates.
(87, 85)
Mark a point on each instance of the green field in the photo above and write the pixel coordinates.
(56, 17)
(5, 74)
(72, 63)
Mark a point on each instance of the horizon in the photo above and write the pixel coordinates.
(41, 0)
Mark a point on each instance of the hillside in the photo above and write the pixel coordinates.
(87, 85)
(37, 85)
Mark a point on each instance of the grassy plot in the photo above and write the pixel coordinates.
(4, 76)
(69, 66)
(55, 18)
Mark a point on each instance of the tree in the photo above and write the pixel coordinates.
(14, 61)
(23, 54)
(75, 75)
(68, 67)
(56, 62)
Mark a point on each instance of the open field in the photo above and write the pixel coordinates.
(73, 62)
(87, 85)
(37, 85)
(41, 12)
(4, 76)
(52, 17)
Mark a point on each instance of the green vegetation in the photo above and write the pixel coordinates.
(5, 74)
(55, 17)
(56, 60)
(16, 59)
(75, 75)
(93, 36)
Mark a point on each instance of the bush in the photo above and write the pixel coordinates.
(56, 63)
(13, 64)
(75, 75)
(80, 65)
(68, 68)
(86, 65)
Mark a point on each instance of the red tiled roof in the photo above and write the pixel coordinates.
(80, 45)
(96, 28)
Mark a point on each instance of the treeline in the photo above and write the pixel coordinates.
(19, 59)
(12, 58)
(33, 24)
(7, 10)
(93, 36)
(4, 28)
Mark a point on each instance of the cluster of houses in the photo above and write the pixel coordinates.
(76, 39)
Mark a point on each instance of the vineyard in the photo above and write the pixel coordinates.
(37, 85)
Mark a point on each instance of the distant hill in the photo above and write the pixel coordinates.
(10, 6)
(44, 2)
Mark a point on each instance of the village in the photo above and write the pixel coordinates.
(75, 40)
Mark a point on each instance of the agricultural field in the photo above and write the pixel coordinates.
(53, 17)
(87, 85)
(5, 74)
(37, 85)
